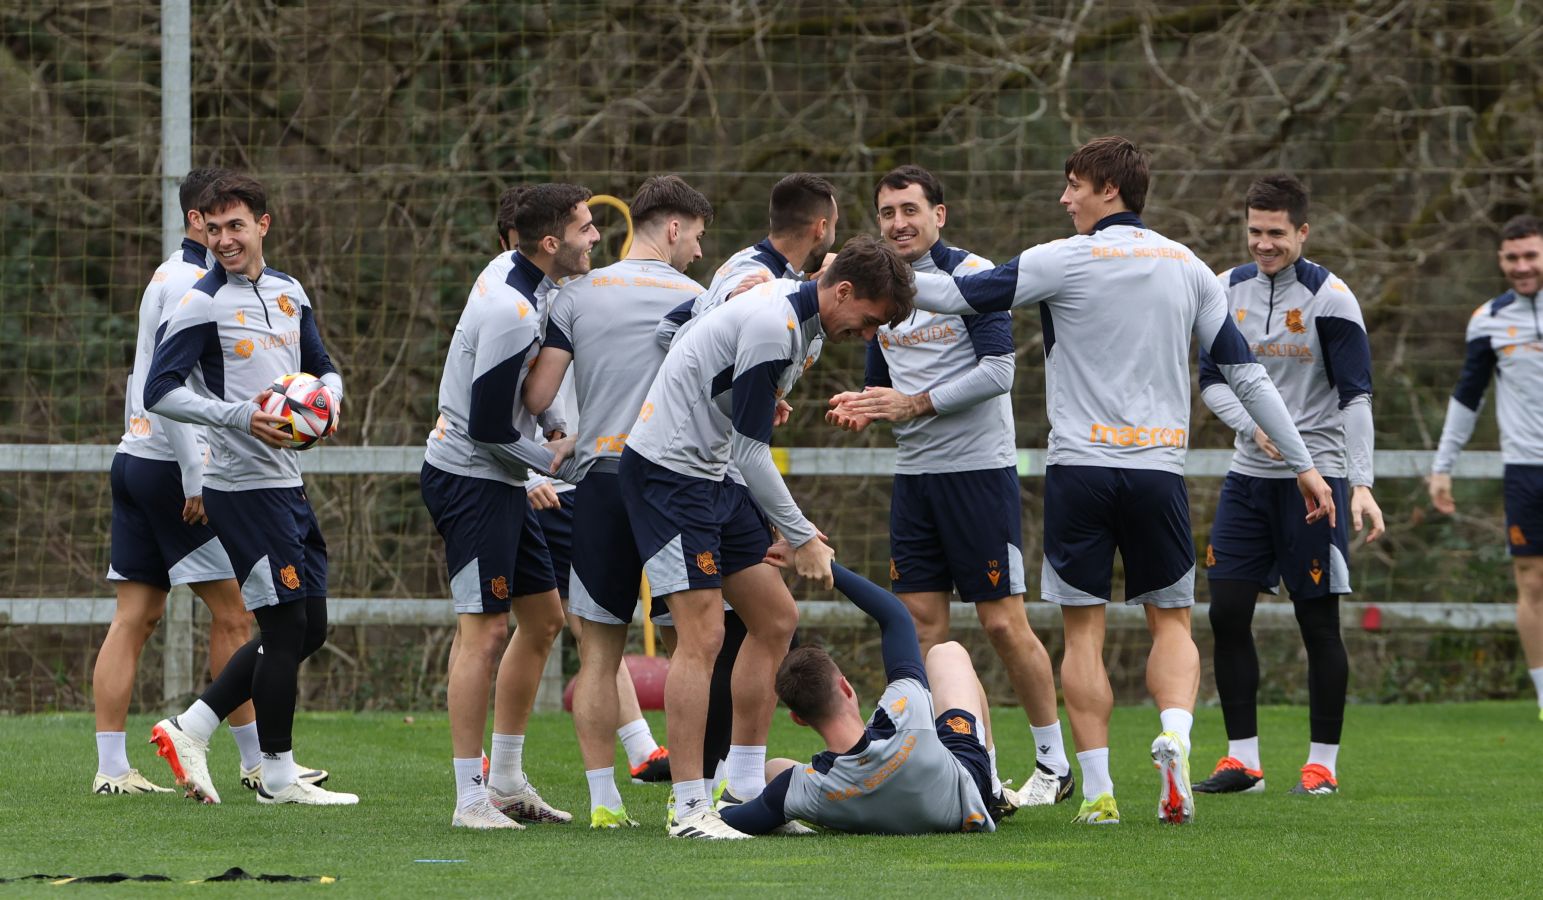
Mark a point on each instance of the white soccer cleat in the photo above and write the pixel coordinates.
(483, 816)
(130, 782)
(527, 806)
(705, 824)
(1176, 801)
(304, 794)
(1044, 788)
(188, 757)
(252, 779)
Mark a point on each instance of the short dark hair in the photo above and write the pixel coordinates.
(662, 196)
(806, 684)
(902, 177)
(798, 201)
(193, 184)
(1114, 160)
(876, 272)
(1279, 193)
(545, 211)
(230, 190)
(508, 207)
(1522, 226)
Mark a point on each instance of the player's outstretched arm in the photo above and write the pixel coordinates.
(902, 651)
(1462, 416)
(187, 338)
(1031, 276)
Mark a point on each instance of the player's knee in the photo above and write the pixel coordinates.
(948, 653)
(483, 637)
(1529, 582)
(1002, 627)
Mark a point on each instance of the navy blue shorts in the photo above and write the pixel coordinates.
(960, 733)
(690, 532)
(150, 542)
(1261, 535)
(959, 530)
(274, 543)
(1092, 511)
(607, 570)
(1524, 510)
(557, 528)
(494, 549)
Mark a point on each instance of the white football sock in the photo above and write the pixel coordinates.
(278, 771)
(199, 721)
(637, 741)
(1246, 752)
(747, 770)
(1537, 682)
(246, 742)
(602, 788)
(112, 757)
(1325, 755)
(996, 780)
(1095, 773)
(1178, 721)
(469, 789)
(505, 773)
(1049, 748)
(690, 795)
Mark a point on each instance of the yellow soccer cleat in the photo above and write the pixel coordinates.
(605, 817)
(1098, 811)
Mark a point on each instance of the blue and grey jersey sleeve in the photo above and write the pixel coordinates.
(190, 338)
(898, 642)
(1220, 399)
(758, 369)
(1229, 352)
(992, 336)
(1347, 362)
(501, 348)
(1035, 274)
(313, 354)
(182, 437)
(670, 325)
(1467, 400)
(766, 813)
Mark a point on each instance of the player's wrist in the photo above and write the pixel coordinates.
(921, 404)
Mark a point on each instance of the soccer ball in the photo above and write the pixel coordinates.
(307, 407)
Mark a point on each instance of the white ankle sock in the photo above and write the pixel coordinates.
(689, 797)
(199, 721)
(602, 788)
(246, 742)
(469, 788)
(1245, 751)
(1325, 755)
(1095, 773)
(112, 757)
(1178, 721)
(278, 771)
(637, 741)
(505, 773)
(747, 770)
(1537, 682)
(996, 780)
(1049, 748)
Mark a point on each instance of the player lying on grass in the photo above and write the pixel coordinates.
(907, 770)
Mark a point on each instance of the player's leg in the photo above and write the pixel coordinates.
(1524, 534)
(718, 733)
(918, 567)
(963, 720)
(139, 609)
(479, 642)
(230, 627)
(595, 712)
(698, 618)
(1529, 617)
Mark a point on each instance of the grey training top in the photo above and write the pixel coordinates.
(1505, 339)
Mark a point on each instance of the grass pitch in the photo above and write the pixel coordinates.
(1436, 800)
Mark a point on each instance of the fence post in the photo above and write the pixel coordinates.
(176, 117)
(177, 662)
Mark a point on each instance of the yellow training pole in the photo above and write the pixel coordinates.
(648, 620)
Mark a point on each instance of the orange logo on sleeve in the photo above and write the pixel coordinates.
(1210, 556)
(1316, 572)
(286, 305)
(500, 587)
(288, 576)
(1517, 538)
(959, 725)
(898, 706)
(704, 561)
(1294, 322)
(1242, 314)
(243, 348)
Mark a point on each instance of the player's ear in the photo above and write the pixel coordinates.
(941, 212)
(263, 221)
(1302, 232)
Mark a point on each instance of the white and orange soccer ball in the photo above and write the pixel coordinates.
(307, 406)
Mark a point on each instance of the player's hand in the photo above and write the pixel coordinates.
(193, 511)
(561, 449)
(1267, 445)
(542, 496)
(760, 276)
(1362, 503)
(779, 554)
(848, 421)
(556, 434)
(783, 412)
(889, 405)
(1319, 497)
(1441, 493)
(812, 561)
(265, 426)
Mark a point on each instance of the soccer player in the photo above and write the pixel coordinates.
(603, 325)
(700, 541)
(242, 326)
(910, 769)
(156, 541)
(1505, 339)
(955, 520)
(1305, 326)
(474, 469)
(1118, 304)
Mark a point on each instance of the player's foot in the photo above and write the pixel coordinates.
(188, 757)
(1232, 777)
(526, 805)
(605, 817)
(706, 824)
(1044, 788)
(654, 770)
(1175, 802)
(1316, 779)
(1098, 811)
(306, 795)
(481, 816)
(130, 782)
(727, 799)
(252, 779)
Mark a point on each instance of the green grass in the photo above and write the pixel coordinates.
(1436, 800)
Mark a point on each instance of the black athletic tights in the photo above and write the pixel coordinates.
(266, 670)
(1237, 663)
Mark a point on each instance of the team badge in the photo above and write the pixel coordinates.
(1511, 332)
(704, 561)
(993, 572)
(959, 725)
(1517, 538)
(243, 348)
(288, 576)
(1242, 314)
(1294, 322)
(500, 587)
(1316, 571)
(240, 317)
(286, 305)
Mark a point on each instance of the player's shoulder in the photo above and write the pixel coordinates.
(1231, 278)
(1489, 312)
